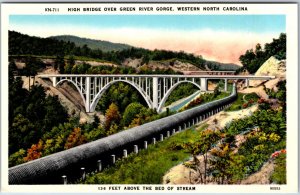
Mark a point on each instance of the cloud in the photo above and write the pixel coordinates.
(222, 46)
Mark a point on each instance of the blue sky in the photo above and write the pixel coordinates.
(216, 37)
(253, 23)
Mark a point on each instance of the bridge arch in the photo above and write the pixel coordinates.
(164, 99)
(78, 89)
(101, 92)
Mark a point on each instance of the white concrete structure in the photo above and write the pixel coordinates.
(155, 89)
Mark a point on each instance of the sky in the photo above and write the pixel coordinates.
(221, 38)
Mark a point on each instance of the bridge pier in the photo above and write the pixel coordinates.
(247, 83)
(54, 81)
(155, 92)
(204, 84)
(87, 93)
(225, 85)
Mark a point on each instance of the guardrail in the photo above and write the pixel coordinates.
(94, 156)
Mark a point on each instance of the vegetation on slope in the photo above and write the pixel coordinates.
(92, 43)
(151, 163)
(279, 174)
(243, 101)
(224, 165)
(204, 98)
(20, 44)
(252, 60)
(181, 91)
(31, 113)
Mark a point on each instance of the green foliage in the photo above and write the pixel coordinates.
(251, 96)
(31, 114)
(24, 44)
(78, 69)
(130, 112)
(183, 90)
(151, 163)
(252, 60)
(262, 143)
(204, 98)
(201, 145)
(59, 64)
(216, 91)
(280, 94)
(57, 139)
(279, 174)
(217, 66)
(122, 95)
(17, 157)
(220, 162)
(21, 133)
(243, 101)
(91, 43)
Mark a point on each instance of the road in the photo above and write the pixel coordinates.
(180, 103)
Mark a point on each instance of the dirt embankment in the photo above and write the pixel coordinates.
(67, 94)
(175, 65)
(272, 67)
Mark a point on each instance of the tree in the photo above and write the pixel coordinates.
(122, 95)
(71, 60)
(55, 113)
(130, 113)
(17, 158)
(247, 60)
(252, 60)
(96, 121)
(201, 146)
(75, 138)
(220, 162)
(112, 115)
(21, 133)
(49, 147)
(33, 65)
(34, 152)
(12, 69)
(216, 91)
(59, 63)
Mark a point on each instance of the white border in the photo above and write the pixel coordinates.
(290, 10)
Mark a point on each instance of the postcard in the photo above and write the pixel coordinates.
(149, 97)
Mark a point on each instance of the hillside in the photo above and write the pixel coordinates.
(213, 65)
(21, 45)
(184, 173)
(92, 43)
(271, 67)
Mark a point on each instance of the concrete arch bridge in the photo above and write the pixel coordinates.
(155, 89)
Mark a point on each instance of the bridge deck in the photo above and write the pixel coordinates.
(250, 77)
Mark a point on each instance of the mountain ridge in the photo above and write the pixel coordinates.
(92, 43)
